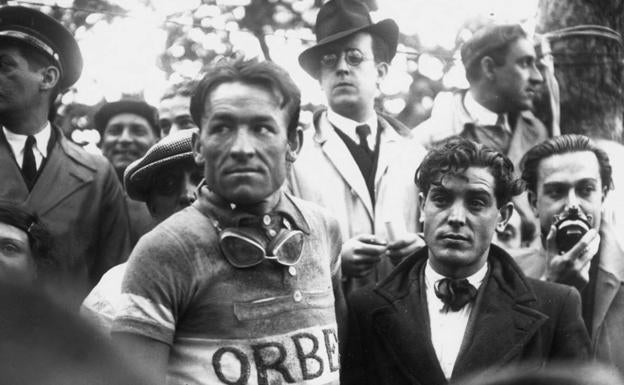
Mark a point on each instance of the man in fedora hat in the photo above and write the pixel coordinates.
(357, 162)
(128, 128)
(76, 194)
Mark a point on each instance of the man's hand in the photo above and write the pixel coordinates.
(360, 254)
(401, 248)
(571, 267)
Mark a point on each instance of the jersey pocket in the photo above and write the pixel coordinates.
(270, 306)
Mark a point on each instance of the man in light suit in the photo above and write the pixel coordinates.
(357, 162)
(461, 304)
(76, 194)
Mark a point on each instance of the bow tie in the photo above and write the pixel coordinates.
(455, 293)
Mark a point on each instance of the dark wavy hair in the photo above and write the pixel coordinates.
(39, 238)
(562, 145)
(253, 72)
(456, 154)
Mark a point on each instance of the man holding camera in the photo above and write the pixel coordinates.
(568, 178)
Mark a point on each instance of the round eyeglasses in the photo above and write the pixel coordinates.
(353, 56)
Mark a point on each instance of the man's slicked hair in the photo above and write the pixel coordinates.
(493, 42)
(252, 72)
(563, 145)
(456, 154)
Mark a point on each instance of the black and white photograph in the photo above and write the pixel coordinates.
(313, 192)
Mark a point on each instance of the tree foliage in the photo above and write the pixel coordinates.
(589, 69)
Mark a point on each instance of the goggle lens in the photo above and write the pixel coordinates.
(241, 251)
(288, 246)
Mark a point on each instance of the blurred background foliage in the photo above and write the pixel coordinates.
(137, 48)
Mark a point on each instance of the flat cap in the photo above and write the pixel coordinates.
(488, 39)
(174, 148)
(46, 35)
(108, 110)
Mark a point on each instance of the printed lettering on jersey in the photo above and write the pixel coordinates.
(306, 356)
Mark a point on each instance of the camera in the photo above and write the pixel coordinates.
(571, 225)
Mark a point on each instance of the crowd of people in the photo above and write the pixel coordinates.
(217, 241)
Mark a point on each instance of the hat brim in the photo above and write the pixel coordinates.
(136, 182)
(386, 29)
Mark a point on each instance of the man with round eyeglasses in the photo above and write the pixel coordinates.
(238, 287)
(358, 162)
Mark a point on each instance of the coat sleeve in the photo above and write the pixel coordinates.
(571, 340)
(354, 368)
(114, 229)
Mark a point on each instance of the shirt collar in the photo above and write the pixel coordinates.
(348, 126)
(214, 206)
(479, 113)
(432, 276)
(18, 141)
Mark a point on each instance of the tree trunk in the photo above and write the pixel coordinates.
(589, 69)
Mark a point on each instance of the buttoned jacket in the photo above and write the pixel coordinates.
(326, 173)
(515, 320)
(78, 197)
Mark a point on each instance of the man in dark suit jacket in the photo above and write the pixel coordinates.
(76, 194)
(460, 304)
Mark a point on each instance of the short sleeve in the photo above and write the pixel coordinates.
(156, 286)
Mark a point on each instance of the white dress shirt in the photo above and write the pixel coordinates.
(17, 143)
(348, 126)
(481, 115)
(447, 326)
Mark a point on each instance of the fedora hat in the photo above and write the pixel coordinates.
(174, 148)
(338, 19)
(46, 35)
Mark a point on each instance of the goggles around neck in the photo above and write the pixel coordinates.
(248, 246)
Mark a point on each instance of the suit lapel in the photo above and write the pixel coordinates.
(387, 149)
(339, 155)
(57, 181)
(13, 187)
(403, 328)
(501, 323)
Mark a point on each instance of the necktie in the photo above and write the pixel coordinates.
(455, 293)
(29, 167)
(363, 131)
